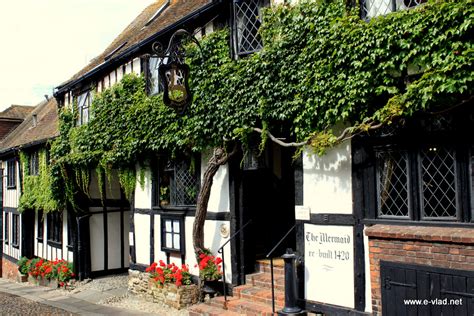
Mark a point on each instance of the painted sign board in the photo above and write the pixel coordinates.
(329, 264)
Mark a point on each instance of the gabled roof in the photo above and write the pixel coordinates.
(157, 17)
(27, 133)
(16, 112)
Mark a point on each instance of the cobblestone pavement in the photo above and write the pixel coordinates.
(16, 305)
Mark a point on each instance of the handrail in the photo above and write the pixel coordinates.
(271, 265)
(281, 240)
(221, 251)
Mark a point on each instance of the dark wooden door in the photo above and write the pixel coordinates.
(423, 290)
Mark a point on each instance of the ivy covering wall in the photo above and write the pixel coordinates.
(36, 189)
(321, 65)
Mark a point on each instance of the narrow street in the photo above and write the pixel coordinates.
(15, 305)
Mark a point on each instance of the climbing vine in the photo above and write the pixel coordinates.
(36, 194)
(321, 66)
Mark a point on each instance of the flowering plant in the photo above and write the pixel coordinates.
(209, 267)
(60, 270)
(163, 273)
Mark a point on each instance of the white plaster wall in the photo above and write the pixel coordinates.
(137, 66)
(219, 199)
(96, 226)
(94, 192)
(143, 195)
(142, 238)
(11, 196)
(327, 181)
(126, 244)
(368, 284)
(112, 186)
(114, 250)
(212, 240)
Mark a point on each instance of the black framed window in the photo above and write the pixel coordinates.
(172, 234)
(6, 229)
(55, 228)
(40, 226)
(84, 101)
(373, 8)
(70, 239)
(11, 174)
(421, 171)
(247, 21)
(34, 163)
(177, 182)
(427, 179)
(16, 230)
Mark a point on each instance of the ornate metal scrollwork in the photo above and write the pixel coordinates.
(173, 71)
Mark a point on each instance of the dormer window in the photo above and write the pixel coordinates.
(373, 8)
(247, 21)
(84, 101)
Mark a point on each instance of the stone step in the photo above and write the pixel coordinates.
(260, 295)
(264, 280)
(264, 266)
(206, 309)
(242, 306)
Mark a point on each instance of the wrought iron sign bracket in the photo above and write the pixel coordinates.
(174, 72)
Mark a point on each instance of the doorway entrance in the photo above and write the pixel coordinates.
(267, 199)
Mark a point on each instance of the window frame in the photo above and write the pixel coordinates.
(153, 76)
(16, 230)
(182, 240)
(159, 168)
(6, 226)
(40, 226)
(11, 174)
(392, 6)
(54, 229)
(82, 107)
(421, 133)
(33, 163)
(238, 52)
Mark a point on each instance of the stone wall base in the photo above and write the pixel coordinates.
(169, 294)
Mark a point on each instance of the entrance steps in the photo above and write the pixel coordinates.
(253, 298)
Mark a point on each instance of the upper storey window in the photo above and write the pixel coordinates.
(84, 101)
(373, 8)
(247, 21)
(11, 174)
(155, 85)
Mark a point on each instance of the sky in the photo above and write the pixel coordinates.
(44, 42)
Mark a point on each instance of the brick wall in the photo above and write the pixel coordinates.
(450, 248)
(9, 269)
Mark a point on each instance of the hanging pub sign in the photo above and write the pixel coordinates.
(174, 72)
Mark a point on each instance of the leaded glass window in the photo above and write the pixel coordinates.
(34, 163)
(84, 101)
(247, 21)
(438, 183)
(373, 8)
(178, 183)
(392, 184)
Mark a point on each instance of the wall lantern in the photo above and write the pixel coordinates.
(173, 72)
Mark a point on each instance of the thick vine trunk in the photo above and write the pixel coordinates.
(218, 158)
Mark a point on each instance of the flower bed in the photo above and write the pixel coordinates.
(46, 273)
(171, 285)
